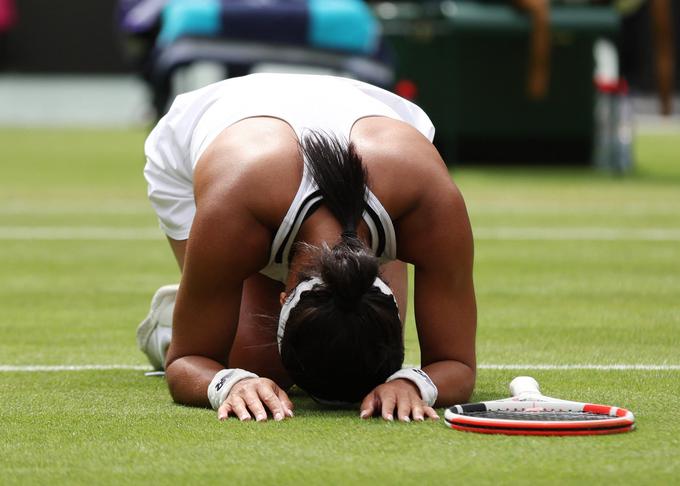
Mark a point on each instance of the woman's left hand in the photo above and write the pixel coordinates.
(401, 396)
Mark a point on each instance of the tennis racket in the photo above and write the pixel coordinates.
(528, 412)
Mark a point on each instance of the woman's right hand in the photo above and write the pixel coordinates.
(253, 397)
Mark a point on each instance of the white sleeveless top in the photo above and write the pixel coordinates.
(305, 102)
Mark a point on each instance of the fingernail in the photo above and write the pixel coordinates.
(419, 418)
(278, 416)
(244, 418)
(406, 419)
(221, 416)
(389, 417)
(289, 412)
(261, 417)
(363, 414)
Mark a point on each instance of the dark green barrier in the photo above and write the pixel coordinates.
(469, 63)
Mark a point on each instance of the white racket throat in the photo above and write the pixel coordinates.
(527, 389)
(524, 386)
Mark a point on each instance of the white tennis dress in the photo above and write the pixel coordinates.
(305, 102)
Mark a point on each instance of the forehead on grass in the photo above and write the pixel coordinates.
(572, 267)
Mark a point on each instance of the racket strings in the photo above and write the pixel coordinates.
(541, 416)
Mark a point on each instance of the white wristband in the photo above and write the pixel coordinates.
(428, 390)
(224, 381)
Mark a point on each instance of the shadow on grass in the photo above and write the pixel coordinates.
(306, 404)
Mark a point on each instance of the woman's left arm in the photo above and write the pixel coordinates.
(439, 244)
(445, 308)
(434, 234)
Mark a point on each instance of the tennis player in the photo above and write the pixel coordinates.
(291, 203)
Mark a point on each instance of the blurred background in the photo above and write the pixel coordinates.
(517, 81)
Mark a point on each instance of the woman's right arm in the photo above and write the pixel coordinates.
(227, 244)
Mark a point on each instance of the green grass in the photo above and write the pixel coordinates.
(541, 301)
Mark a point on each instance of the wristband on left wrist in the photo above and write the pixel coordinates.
(428, 390)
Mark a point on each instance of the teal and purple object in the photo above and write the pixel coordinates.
(340, 25)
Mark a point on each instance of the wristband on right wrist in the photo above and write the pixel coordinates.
(223, 382)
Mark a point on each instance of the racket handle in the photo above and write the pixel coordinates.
(524, 385)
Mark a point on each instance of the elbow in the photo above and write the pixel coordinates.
(179, 385)
(467, 383)
(172, 380)
(187, 382)
(456, 384)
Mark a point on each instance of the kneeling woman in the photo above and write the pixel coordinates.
(302, 197)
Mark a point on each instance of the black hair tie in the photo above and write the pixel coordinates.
(348, 234)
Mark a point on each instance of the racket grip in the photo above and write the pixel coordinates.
(524, 385)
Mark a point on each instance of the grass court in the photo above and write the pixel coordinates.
(576, 272)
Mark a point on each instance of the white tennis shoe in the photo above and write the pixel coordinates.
(154, 333)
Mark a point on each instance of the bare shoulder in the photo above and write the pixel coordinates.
(409, 176)
(243, 185)
(401, 163)
(255, 164)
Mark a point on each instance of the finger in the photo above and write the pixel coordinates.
(431, 413)
(239, 408)
(404, 407)
(388, 403)
(417, 412)
(254, 404)
(287, 404)
(271, 399)
(223, 411)
(367, 408)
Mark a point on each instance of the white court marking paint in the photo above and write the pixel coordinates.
(85, 367)
(602, 367)
(103, 233)
(519, 367)
(576, 233)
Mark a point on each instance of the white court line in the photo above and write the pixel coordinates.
(60, 209)
(51, 233)
(481, 233)
(86, 367)
(609, 367)
(529, 367)
(512, 209)
(585, 233)
(571, 209)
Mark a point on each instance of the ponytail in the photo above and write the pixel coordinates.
(344, 336)
(349, 268)
(337, 169)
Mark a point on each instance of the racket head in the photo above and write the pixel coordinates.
(530, 413)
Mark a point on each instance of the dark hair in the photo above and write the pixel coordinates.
(344, 337)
